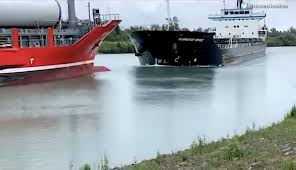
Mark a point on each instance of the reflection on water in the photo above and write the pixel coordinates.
(161, 84)
(170, 77)
(133, 112)
(49, 97)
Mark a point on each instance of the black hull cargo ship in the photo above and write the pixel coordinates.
(177, 48)
(236, 38)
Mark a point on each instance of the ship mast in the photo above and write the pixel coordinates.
(168, 9)
(239, 4)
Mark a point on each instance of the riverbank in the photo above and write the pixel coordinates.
(270, 148)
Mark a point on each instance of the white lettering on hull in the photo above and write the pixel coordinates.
(191, 39)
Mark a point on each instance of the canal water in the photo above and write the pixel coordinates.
(133, 112)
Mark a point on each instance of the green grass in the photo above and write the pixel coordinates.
(269, 148)
(289, 165)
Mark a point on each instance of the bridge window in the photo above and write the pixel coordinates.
(29, 41)
(226, 12)
(5, 41)
(231, 12)
(64, 40)
(236, 12)
(241, 12)
(247, 12)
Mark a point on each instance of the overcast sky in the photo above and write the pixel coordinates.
(191, 13)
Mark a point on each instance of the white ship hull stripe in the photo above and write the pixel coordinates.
(40, 68)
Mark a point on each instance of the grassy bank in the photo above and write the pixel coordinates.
(269, 148)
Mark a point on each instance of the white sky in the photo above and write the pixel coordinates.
(191, 13)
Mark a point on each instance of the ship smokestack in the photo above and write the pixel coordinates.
(72, 13)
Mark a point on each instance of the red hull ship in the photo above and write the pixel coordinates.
(60, 51)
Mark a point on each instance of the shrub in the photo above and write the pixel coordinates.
(159, 158)
(105, 163)
(86, 167)
(198, 146)
(292, 113)
(233, 151)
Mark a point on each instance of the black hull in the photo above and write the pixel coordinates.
(176, 48)
(185, 48)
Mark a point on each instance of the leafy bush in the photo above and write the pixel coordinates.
(198, 146)
(158, 158)
(292, 113)
(86, 167)
(233, 151)
(105, 163)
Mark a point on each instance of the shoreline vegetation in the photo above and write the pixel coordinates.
(273, 147)
(281, 38)
(118, 41)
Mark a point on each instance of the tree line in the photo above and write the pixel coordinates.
(281, 38)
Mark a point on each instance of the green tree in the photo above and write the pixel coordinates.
(155, 27)
(173, 24)
(86, 167)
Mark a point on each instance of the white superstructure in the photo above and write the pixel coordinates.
(241, 22)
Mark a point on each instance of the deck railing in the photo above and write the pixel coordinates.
(236, 45)
(63, 36)
(109, 17)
